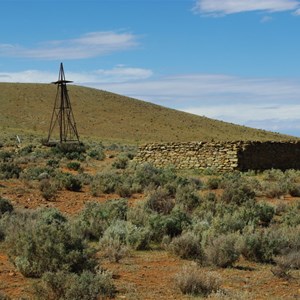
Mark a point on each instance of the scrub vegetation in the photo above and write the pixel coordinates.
(92, 208)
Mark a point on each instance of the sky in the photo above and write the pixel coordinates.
(232, 60)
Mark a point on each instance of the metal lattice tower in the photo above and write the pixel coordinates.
(62, 112)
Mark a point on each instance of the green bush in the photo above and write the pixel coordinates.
(70, 151)
(72, 183)
(160, 201)
(5, 206)
(48, 189)
(292, 215)
(9, 170)
(84, 286)
(192, 280)
(146, 174)
(213, 183)
(105, 182)
(237, 192)
(97, 154)
(5, 156)
(121, 162)
(73, 165)
(187, 246)
(92, 221)
(113, 248)
(295, 190)
(171, 225)
(263, 245)
(137, 238)
(187, 197)
(45, 244)
(222, 250)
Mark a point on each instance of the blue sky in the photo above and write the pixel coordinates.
(234, 60)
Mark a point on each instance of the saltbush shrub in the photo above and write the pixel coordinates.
(263, 245)
(187, 197)
(222, 250)
(72, 183)
(73, 165)
(97, 154)
(85, 286)
(187, 246)
(137, 238)
(192, 280)
(105, 182)
(5, 206)
(292, 215)
(48, 189)
(47, 245)
(213, 183)
(295, 190)
(160, 201)
(113, 248)
(171, 225)
(237, 192)
(9, 170)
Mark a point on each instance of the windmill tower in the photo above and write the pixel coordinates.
(62, 115)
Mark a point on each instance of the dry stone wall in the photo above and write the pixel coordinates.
(223, 156)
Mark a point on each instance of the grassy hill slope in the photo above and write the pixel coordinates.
(109, 116)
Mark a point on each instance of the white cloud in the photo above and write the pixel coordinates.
(89, 45)
(118, 74)
(225, 7)
(266, 19)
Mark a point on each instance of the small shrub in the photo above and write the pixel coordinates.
(47, 245)
(73, 165)
(171, 225)
(187, 246)
(54, 163)
(121, 162)
(213, 183)
(5, 206)
(192, 280)
(292, 215)
(84, 286)
(160, 201)
(264, 245)
(97, 154)
(72, 183)
(9, 170)
(274, 189)
(48, 189)
(113, 248)
(105, 182)
(187, 197)
(222, 251)
(295, 190)
(238, 192)
(70, 151)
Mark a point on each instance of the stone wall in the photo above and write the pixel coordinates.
(223, 156)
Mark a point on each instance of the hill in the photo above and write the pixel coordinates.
(108, 116)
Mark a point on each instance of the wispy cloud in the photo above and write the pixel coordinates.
(89, 45)
(225, 7)
(117, 74)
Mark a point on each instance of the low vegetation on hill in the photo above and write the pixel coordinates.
(27, 108)
(69, 216)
